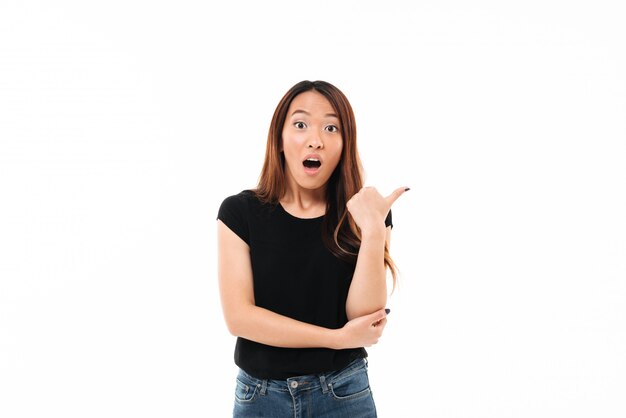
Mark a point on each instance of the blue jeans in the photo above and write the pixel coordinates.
(342, 393)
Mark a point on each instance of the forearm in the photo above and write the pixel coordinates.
(368, 290)
(267, 327)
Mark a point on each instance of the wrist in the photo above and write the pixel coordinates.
(373, 233)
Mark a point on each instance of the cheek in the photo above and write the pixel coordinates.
(336, 155)
(338, 150)
(291, 140)
(290, 148)
(286, 142)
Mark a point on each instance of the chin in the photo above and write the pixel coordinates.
(309, 185)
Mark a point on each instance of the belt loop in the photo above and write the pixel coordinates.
(263, 387)
(323, 383)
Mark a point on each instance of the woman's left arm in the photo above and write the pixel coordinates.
(368, 290)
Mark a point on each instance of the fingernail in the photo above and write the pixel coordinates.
(406, 189)
(387, 311)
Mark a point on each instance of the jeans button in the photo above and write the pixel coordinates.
(293, 384)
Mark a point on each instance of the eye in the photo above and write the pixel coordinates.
(332, 128)
(300, 125)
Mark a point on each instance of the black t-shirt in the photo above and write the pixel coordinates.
(294, 275)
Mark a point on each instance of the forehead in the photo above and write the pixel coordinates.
(312, 102)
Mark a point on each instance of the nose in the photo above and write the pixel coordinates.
(315, 142)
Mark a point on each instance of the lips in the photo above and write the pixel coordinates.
(312, 162)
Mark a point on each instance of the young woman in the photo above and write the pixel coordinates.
(302, 265)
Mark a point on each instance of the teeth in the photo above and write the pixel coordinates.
(312, 163)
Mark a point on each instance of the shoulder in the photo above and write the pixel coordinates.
(239, 200)
(241, 204)
(235, 211)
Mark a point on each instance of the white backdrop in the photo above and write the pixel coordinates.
(123, 125)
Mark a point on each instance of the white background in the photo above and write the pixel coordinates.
(124, 124)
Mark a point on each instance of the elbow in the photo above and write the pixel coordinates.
(365, 305)
(233, 323)
(236, 320)
(357, 311)
(232, 328)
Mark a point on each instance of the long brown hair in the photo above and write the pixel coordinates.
(342, 238)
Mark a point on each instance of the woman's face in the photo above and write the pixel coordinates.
(312, 141)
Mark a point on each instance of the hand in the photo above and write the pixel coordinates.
(363, 331)
(369, 208)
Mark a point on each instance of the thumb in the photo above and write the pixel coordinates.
(396, 194)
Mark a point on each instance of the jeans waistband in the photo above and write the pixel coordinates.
(305, 382)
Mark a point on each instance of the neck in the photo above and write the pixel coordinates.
(304, 202)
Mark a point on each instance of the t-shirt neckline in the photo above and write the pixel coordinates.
(295, 217)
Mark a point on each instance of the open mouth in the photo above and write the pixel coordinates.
(312, 163)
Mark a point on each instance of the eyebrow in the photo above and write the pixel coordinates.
(307, 113)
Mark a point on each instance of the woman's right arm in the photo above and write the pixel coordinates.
(245, 319)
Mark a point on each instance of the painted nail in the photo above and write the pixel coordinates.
(387, 311)
(407, 189)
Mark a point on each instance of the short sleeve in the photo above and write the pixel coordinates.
(388, 220)
(234, 213)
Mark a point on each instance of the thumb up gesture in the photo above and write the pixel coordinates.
(369, 208)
